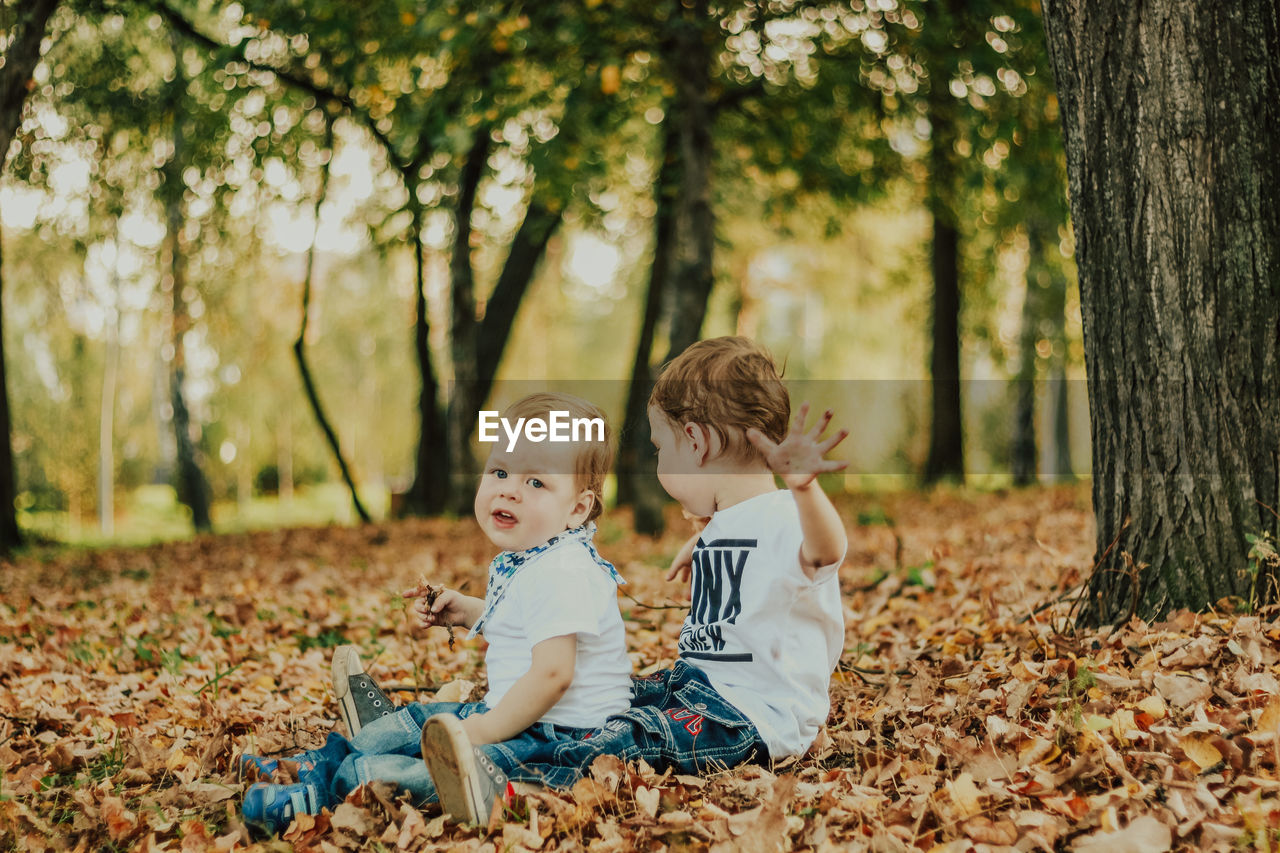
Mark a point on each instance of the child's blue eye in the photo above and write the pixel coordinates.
(499, 473)
(535, 482)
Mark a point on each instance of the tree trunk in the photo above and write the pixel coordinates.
(464, 328)
(1170, 112)
(694, 246)
(107, 409)
(20, 60)
(541, 219)
(1036, 306)
(1023, 450)
(427, 493)
(193, 488)
(636, 459)
(299, 344)
(946, 451)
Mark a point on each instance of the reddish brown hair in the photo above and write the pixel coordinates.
(728, 385)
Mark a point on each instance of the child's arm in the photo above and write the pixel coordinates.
(798, 460)
(533, 694)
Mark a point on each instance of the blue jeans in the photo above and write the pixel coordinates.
(390, 749)
(676, 720)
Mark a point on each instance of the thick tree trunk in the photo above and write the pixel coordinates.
(694, 248)
(946, 431)
(636, 460)
(300, 343)
(1170, 112)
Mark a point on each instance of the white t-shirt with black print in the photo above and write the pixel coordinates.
(767, 637)
(562, 591)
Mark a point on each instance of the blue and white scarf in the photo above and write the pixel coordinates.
(505, 565)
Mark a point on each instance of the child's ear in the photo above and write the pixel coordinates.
(699, 437)
(582, 509)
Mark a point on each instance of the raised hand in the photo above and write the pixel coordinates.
(799, 458)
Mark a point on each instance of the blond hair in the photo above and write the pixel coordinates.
(728, 385)
(592, 459)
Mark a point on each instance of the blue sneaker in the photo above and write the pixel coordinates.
(272, 807)
(265, 768)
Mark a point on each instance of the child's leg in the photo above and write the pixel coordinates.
(689, 728)
(389, 749)
(401, 733)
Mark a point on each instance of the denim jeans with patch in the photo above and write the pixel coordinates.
(676, 720)
(389, 749)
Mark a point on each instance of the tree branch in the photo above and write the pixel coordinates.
(298, 81)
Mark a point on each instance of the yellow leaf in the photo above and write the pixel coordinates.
(1155, 706)
(1270, 719)
(177, 760)
(1200, 750)
(965, 795)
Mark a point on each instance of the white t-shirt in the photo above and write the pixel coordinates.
(562, 591)
(767, 637)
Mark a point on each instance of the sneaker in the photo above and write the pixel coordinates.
(466, 779)
(360, 699)
(271, 807)
(265, 768)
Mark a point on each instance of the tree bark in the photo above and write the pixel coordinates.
(15, 76)
(1170, 112)
(428, 492)
(636, 460)
(946, 450)
(300, 343)
(464, 327)
(694, 245)
(192, 487)
(1036, 308)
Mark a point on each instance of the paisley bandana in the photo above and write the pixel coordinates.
(505, 565)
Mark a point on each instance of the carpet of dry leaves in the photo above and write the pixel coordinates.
(964, 715)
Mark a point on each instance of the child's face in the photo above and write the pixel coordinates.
(680, 463)
(529, 494)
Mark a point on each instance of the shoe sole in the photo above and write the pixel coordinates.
(447, 751)
(346, 662)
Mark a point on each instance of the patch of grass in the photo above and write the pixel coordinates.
(326, 639)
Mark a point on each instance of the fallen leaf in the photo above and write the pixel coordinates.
(1145, 834)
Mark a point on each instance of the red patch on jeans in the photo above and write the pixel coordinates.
(692, 722)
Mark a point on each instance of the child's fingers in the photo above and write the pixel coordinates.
(821, 424)
(825, 446)
(801, 416)
(829, 465)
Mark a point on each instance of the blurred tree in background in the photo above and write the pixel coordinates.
(431, 201)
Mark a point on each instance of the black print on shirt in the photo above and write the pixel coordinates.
(718, 567)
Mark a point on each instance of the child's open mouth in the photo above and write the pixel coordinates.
(503, 519)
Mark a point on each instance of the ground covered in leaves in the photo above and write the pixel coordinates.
(965, 716)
